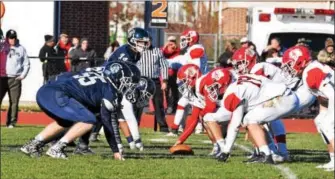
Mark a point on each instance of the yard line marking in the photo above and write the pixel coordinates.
(206, 141)
(159, 140)
(286, 171)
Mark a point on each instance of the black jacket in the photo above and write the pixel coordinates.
(82, 59)
(223, 59)
(52, 66)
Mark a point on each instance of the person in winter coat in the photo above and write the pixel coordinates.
(51, 65)
(83, 56)
(62, 50)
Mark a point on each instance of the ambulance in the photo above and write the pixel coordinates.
(289, 25)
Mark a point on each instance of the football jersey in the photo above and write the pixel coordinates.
(88, 87)
(196, 54)
(254, 89)
(124, 53)
(315, 75)
(275, 74)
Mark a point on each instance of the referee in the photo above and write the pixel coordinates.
(152, 64)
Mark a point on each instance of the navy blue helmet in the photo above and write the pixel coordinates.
(121, 76)
(138, 38)
(146, 88)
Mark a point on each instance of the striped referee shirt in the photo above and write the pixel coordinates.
(153, 64)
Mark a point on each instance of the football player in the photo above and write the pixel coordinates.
(137, 42)
(202, 93)
(244, 61)
(72, 104)
(128, 122)
(192, 52)
(319, 79)
(255, 100)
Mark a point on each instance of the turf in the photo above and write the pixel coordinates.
(307, 150)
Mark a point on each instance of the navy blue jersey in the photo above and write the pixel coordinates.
(124, 53)
(88, 87)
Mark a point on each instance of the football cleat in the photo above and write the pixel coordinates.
(223, 157)
(34, 148)
(326, 166)
(57, 151)
(262, 158)
(139, 146)
(251, 159)
(172, 133)
(132, 145)
(215, 151)
(94, 137)
(83, 150)
(278, 158)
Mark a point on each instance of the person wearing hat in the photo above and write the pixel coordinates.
(244, 42)
(14, 67)
(327, 55)
(51, 65)
(170, 51)
(83, 56)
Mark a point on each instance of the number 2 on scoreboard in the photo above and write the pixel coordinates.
(159, 12)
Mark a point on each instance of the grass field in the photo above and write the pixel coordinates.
(307, 150)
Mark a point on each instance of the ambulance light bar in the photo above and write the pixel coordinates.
(299, 11)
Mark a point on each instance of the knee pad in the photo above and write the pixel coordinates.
(209, 117)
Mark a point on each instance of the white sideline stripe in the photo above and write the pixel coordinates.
(287, 172)
(207, 142)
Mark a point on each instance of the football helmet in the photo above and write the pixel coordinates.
(145, 89)
(243, 60)
(138, 38)
(188, 38)
(123, 76)
(186, 77)
(216, 82)
(295, 59)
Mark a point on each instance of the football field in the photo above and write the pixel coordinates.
(307, 151)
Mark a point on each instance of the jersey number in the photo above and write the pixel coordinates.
(159, 12)
(90, 77)
(248, 79)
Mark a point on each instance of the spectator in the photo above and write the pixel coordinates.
(62, 48)
(302, 42)
(113, 46)
(83, 56)
(244, 42)
(171, 50)
(51, 66)
(75, 44)
(225, 56)
(274, 43)
(14, 67)
(327, 55)
(152, 64)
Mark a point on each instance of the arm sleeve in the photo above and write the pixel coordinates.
(42, 55)
(109, 121)
(163, 66)
(210, 106)
(233, 128)
(26, 64)
(191, 123)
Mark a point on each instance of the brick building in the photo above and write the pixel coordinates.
(86, 19)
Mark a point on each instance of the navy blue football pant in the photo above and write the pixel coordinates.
(62, 108)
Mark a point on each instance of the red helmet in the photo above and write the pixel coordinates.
(243, 60)
(187, 76)
(216, 82)
(295, 59)
(188, 38)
